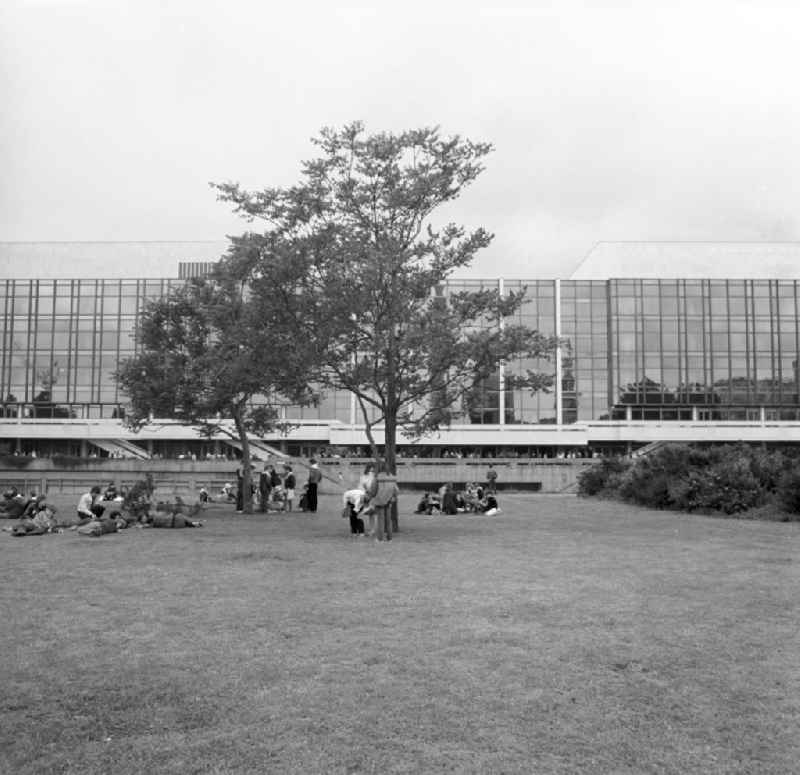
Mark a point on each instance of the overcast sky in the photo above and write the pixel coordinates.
(611, 121)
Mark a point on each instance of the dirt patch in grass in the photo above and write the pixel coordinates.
(562, 636)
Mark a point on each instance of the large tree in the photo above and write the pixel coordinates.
(211, 352)
(361, 269)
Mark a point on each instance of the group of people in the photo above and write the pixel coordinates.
(275, 490)
(447, 500)
(98, 511)
(36, 516)
(368, 506)
(373, 498)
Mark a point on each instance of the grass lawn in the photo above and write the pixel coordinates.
(562, 636)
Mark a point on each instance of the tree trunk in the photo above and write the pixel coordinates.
(247, 486)
(368, 431)
(390, 453)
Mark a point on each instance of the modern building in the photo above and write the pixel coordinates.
(685, 341)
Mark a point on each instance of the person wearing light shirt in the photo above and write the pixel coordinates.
(87, 508)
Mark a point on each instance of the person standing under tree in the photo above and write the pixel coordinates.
(239, 489)
(386, 494)
(491, 479)
(264, 488)
(314, 478)
(289, 483)
(368, 484)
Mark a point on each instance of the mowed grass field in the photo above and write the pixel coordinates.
(562, 636)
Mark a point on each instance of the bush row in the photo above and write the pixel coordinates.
(729, 478)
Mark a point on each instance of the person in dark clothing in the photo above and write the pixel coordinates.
(10, 497)
(264, 488)
(314, 478)
(449, 505)
(274, 478)
(239, 490)
(353, 505)
(427, 504)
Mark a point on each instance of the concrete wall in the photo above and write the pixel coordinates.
(183, 476)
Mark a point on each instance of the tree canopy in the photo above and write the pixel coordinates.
(352, 256)
(212, 351)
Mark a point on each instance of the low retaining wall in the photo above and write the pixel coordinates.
(74, 476)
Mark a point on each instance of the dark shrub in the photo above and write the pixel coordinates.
(678, 476)
(729, 478)
(768, 467)
(602, 476)
(646, 483)
(137, 502)
(788, 490)
(734, 488)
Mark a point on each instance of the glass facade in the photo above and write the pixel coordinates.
(703, 349)
(63, 339)
(632, 350)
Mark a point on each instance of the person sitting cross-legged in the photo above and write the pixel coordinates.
(88, 506)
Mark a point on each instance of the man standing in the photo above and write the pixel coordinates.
(314, 478)
(239, 489)
(264, 488)
(386, 494)
(491, 479)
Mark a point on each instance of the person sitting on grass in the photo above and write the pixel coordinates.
(9, 497)
(89, 508)
(304, 504)
(427, 504)
(472, 496)
(31, 505)
(228, 493)
(489, 505)
(15, 506)
(43, 520)
(277, 499)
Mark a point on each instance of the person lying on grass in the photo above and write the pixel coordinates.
(42, 520)
(101, 526)
(176, 514)
(171, 521)
(165, 515)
